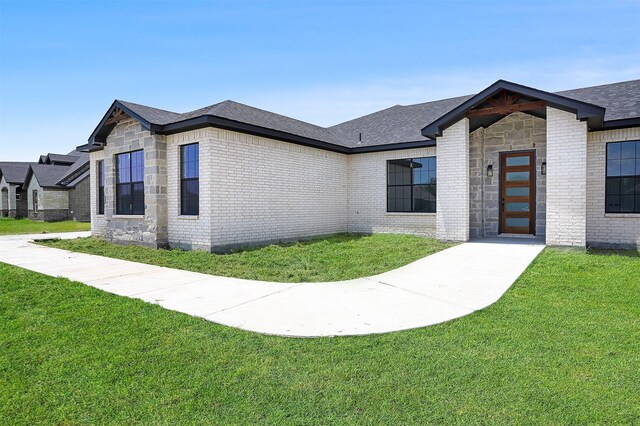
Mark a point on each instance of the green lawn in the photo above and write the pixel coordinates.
(340, 257)
(561, 347)
(25, 226)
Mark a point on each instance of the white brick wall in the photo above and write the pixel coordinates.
(608, 230)
(190, 232)
(566, 179)
(98, 221)
(266, 190)
(452, 219)
(367, 199)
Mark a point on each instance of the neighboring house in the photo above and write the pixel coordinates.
(58, 187)
(510, 160)
(54, 188)
(13, 199)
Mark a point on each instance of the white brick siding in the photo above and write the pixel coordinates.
(367, 198)
(566, 179)
(266, 190)
(98, 222)
(190, 232)
(452, 218)
(613, 229)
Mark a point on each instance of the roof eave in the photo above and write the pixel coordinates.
(224, 123)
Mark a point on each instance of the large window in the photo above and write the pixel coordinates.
(623, 177)
(130, 183)
(411, 185)
(189, 179)
(101, 187)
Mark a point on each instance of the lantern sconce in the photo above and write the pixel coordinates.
(543, 168)
(490, 170)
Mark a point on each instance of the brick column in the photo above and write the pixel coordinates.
(452, 206)
(566, 179)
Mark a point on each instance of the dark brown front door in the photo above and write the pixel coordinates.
(517, 192)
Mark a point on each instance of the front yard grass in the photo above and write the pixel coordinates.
(561, 347)
(335, 258)
(9, 226)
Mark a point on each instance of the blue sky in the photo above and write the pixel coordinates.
(63, 63)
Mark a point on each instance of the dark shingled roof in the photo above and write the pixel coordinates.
(49, 175)
(403, 123)
(622, 100)
(394, 125)
(14, 172)
(400, 123)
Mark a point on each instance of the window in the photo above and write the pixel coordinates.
(623, 177)
(101, 187)
(34, 194)
(17, 196)
(130, 183)
(411, 185)
(189, 179)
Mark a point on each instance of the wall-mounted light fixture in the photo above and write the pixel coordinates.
(489, 170)
(543, 168)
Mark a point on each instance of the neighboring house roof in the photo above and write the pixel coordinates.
(48, 175)
(59, 170)
(77, 168)
(58, 159)
(78, 179)
(14, 172)
(397, 127)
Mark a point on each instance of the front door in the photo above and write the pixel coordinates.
(517, 192)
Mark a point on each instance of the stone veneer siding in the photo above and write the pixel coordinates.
(516, 132)
(53, 204)
(615, 230)
(566, 179)
(367, 196)
(7, 198)
(149, 229)
(452, 217)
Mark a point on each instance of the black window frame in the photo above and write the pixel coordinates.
(100, 166)
(189, 204)
(621, 180)
(412, 186)
(133, 206)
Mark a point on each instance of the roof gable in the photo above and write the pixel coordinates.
(14, 172)
(594, 114)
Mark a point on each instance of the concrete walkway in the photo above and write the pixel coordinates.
(446, 285)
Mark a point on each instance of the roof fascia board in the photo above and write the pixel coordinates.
(583, 110)
(223, 123)
(95, 136)
(393, 147)
(621, 124)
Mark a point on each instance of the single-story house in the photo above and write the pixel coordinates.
(54, 188)
(510, 160)
(13, 202)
